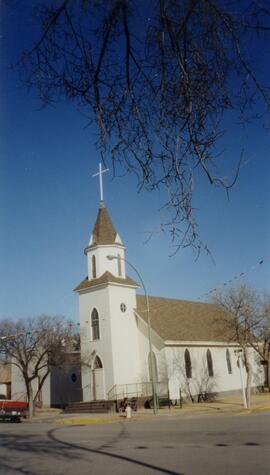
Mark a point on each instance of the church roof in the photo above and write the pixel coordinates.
(106, 278)
(104, 231)
(184, 320)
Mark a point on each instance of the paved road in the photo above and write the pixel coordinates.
(191, 445)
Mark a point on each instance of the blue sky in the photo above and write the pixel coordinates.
(49, 202)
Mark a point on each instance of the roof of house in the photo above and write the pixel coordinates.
(104, 231)
(185, 320)
(106, 278)
(5, 372)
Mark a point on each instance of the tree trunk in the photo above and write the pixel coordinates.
(248, 388)
(268, 373)
(249, 376)
(31, 406)
(41, 381)
(189, 390)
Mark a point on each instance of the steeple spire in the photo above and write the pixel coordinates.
(104, 231)
(104, 241)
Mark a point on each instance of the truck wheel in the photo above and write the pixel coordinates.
(16, 419)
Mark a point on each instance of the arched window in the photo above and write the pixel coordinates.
(95, 324)
(228, 359)
(209, 363)
(119, 264)
(97, 363)
(94, 268)
(188, 365)
(155, 373)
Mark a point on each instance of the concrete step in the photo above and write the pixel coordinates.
(91, 407)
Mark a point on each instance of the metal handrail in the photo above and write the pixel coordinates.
(142, 389)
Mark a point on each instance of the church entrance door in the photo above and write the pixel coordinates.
(98, 380)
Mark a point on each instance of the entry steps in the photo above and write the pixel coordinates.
(93, 407)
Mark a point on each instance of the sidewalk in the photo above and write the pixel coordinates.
(228, 405)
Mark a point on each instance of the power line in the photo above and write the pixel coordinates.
(224, 284)
(236, 277)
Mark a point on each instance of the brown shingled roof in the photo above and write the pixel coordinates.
(185, 320)
(106, 278)
(104, 231)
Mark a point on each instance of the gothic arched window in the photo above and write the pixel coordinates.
(188, 365)
(155, 373)
(95, 324)
(97, 363)
(94, 267)
(228, 359)
(209, 363)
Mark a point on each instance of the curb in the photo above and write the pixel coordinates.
(77, 421)
(142, 416)
(260, 408)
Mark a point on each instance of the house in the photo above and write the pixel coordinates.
(191, 344)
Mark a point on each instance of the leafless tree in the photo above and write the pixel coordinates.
(243, 305)
(203, 383)
(263, 345)
(156, 78)
(34, 345)
(196, 380)
(187, 386)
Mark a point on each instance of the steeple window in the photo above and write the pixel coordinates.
(94, 267)
(119, 265)
(95, 325)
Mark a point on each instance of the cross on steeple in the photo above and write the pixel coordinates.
(99, 173)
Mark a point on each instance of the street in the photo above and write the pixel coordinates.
(191, 445)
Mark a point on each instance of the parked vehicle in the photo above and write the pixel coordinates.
(11, 410)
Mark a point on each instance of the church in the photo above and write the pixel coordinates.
(138, 346)
(132, 344)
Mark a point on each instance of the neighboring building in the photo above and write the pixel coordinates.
(192, 346)
(62, 385)
(5, 380)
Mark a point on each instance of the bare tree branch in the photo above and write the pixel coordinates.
(34, 346)
(157, 78)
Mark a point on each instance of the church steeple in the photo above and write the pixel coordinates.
(107, 321)
(105, 241)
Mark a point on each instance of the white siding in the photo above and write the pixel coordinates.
(124, 335)
(97, 298)
(222, 381)
(102, 263)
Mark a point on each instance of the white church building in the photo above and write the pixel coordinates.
(192, 348)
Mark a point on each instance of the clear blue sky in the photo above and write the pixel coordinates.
(49, 202)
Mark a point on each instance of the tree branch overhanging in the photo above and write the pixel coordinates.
(157, 79)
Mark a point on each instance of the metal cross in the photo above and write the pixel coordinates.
(100, 172)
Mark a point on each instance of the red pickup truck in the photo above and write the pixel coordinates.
(12, 410)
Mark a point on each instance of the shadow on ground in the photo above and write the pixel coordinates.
(53, 446)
